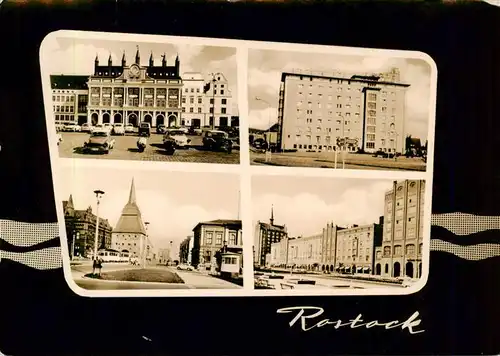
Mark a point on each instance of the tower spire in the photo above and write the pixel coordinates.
(124, 62)
(272, 215)
(131, 197)
(137, 56)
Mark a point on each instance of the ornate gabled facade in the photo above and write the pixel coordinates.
(134, 93)
(80, 230)
(130, 232)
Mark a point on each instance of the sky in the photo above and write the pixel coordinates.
(266, 66)
(76, 56)
(172, 202)
(306, 204)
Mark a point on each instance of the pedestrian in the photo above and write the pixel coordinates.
(94, 266)
(99, 265)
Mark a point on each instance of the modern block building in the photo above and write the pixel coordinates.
(70, 95)
(315, 110)
(401, 251)
(80, 230)
(210, 238)
(132, 93)
(130, 233)
(265, 235)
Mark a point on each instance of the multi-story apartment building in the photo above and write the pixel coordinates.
(194, 101)
(368, 111)
(218, 102)
(80, 230)
(401, 250)
(135, 93)
(70, 96)
(278, 257)
(130, 234)
(265, 235)
(210, 238)
(305, 252)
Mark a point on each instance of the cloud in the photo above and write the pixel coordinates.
(266, 66)
(305, 213)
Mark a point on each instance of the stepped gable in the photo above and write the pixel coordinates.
(130, 221)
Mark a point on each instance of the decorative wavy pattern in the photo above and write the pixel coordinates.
(35, 245)
(49, 258)
(27, 234)
(465, 224)
(472, 253)
(7, 247)
(481, 237)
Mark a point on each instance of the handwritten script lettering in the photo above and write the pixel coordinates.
(309, 318)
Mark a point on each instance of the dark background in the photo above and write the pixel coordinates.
(459, 305)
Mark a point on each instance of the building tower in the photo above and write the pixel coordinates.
(130, 232)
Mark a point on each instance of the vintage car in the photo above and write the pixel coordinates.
(145, 129)
(177, 137)
(129, 128)
(215, 140)
(98, 127)
(161, 129)
(86, 127)
(185, 267)
(100, 141)
(118, 129)
(71, 127)
(108, 127)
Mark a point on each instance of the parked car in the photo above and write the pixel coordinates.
(98, 127)
(177, 137)
(86, 127)
(59, 138)
(129, 128)
(72, 127)
(145, 129)
(108, 127)
(161, 129)
(100, 141)
(236, 143)
(215, 140)
(119, 129)
(185, 267)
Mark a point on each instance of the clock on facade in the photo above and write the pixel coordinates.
(134, 71)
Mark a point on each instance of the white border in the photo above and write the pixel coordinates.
(243, 169)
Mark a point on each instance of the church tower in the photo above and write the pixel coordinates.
(130, 231)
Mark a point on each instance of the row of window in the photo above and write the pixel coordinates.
(63, 98)
(398, 250)
(372, 96)
(209, 238)
(64, 108)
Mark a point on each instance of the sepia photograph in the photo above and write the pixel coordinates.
(317, 234)
(340, 110)
(155, 229)
(128, 99)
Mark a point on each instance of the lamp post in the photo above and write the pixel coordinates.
(143, 247)
(170, 259)
(98, 195)
(268, 151)
(343, 144)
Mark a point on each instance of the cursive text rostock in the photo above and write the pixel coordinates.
(311, 320)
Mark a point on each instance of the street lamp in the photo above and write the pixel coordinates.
(268, 151)
(98, 195)
(143, 247)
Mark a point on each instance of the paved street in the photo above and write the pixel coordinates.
(327, 160)
(192, 279)
(126, 149)
(328, 281)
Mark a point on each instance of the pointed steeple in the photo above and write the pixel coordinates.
(110, 60)
(131, 197)
(137, 57)
(96, 63)
(164, 60)
(151, 60)
(70, 201)
(124, 61)
(272, 215)
(177, 64)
